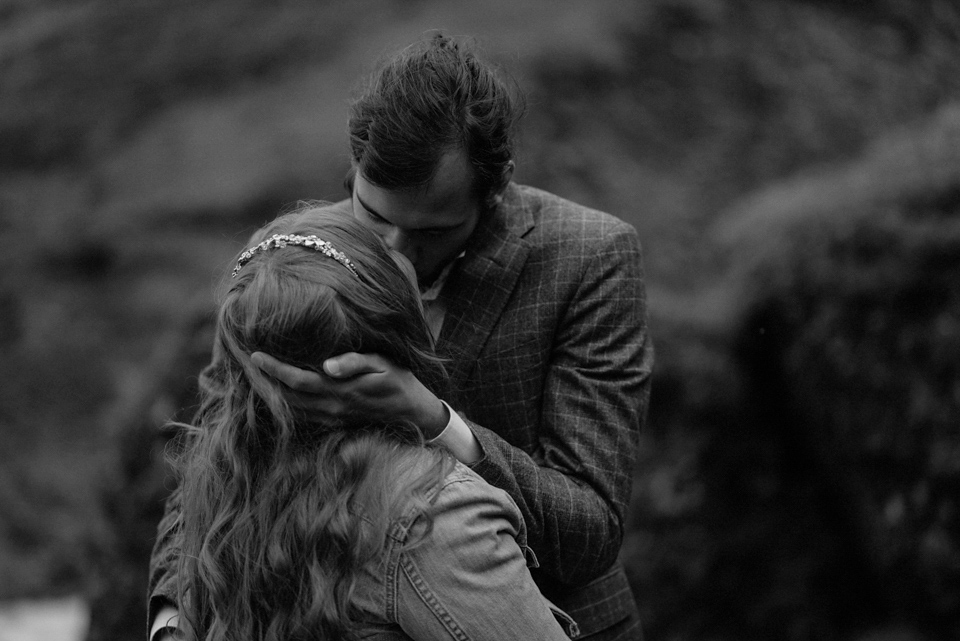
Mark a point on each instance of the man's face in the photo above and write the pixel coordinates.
(430, 226)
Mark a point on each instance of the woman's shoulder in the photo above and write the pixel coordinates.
(461, 491)
(460, 473)
(467, 498)
(459, 505)
(461, 478)
(473, 524)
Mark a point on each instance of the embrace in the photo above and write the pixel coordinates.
(422, 414)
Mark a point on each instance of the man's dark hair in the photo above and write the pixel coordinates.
(433, 97)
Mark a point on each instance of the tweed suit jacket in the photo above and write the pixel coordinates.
(550, 361)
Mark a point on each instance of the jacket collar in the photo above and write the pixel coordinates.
(482, 282)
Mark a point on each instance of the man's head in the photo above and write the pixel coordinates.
(432, 142)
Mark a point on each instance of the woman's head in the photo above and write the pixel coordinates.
(272, 543)
(340, 291)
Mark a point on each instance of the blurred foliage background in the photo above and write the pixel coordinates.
(793, 169)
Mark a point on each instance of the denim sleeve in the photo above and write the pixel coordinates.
(469, 580)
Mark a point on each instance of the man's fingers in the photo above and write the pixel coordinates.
(353, 364)
(323, 407)
(295, 378)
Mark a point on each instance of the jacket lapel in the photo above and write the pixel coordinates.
(481, 284)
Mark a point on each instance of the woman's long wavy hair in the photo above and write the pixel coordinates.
(280, 511)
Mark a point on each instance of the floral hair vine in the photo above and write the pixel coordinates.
(282, 240)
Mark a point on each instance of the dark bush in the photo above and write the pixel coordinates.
(851, 337)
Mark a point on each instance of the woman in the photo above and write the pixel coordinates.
(291, 529)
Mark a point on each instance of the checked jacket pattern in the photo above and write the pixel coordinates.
(550, 361)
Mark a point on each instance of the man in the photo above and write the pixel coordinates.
(538, 305)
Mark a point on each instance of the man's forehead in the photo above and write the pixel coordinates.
(454, 178)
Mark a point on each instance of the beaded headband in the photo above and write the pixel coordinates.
(282, 240)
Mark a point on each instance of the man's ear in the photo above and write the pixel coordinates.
(348, 179)
(507, 175)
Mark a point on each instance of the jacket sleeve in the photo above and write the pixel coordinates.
(573, 486)
(165, 556)
(162, 585)
(468, 579)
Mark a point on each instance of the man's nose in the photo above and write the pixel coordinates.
(400, 241)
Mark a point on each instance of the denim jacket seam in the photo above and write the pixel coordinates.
(390, 587)
(430, 599)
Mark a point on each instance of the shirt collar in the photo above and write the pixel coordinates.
(431, 292)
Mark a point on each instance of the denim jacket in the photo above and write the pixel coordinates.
(466, 580)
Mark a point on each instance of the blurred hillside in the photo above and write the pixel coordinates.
(793, 171)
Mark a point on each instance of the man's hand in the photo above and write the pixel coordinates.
(365, 385)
